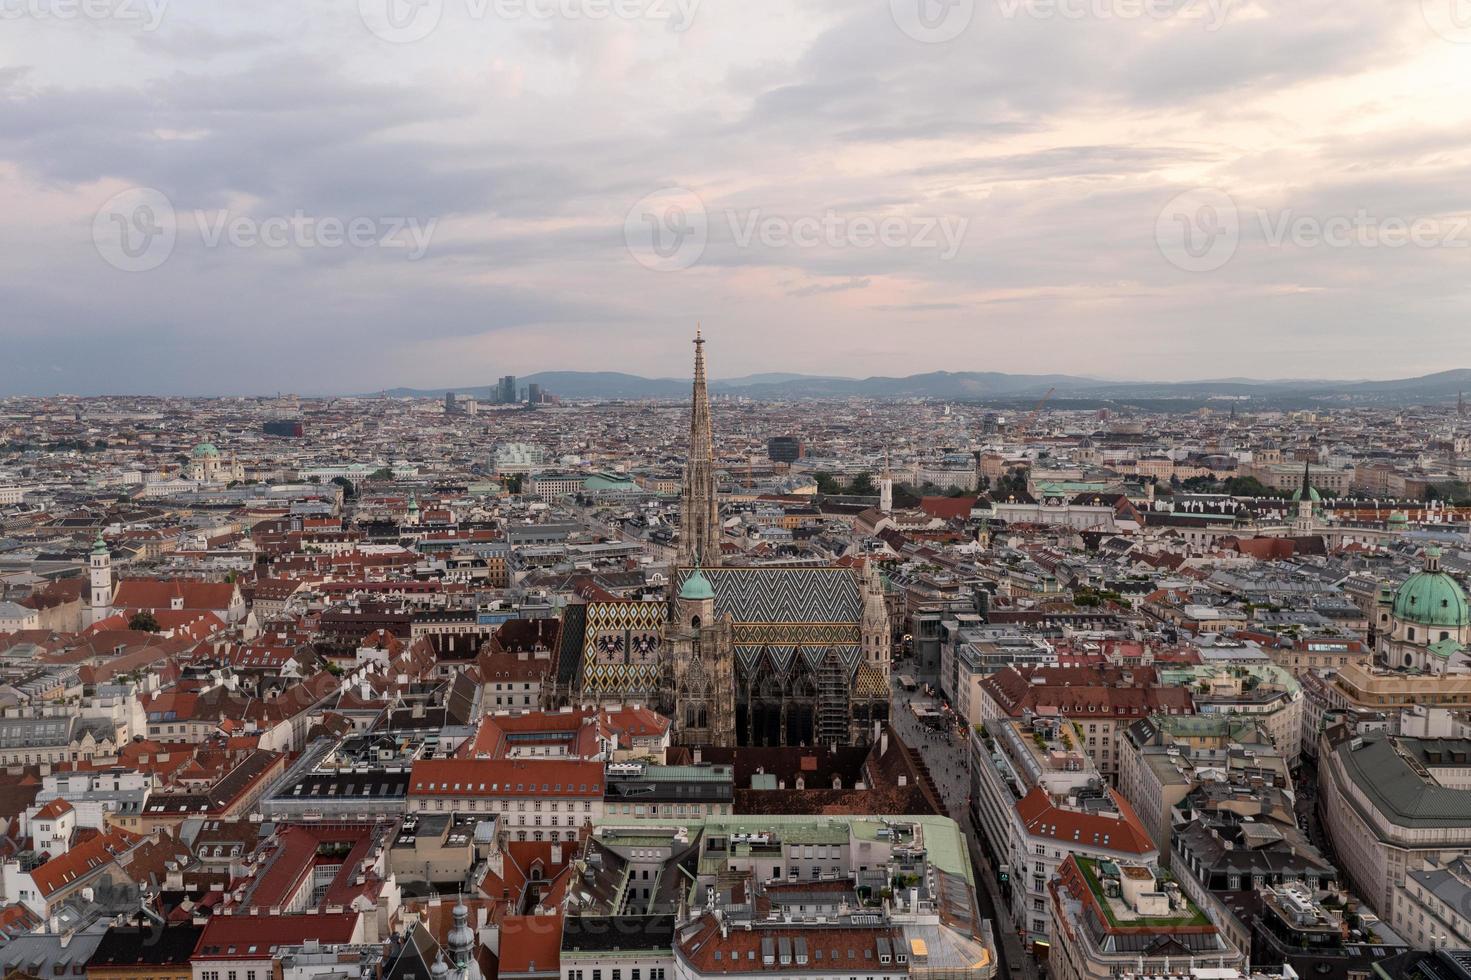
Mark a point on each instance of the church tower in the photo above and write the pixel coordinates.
(699, 516)
(886, 489)
(99, 571)
(461, 943)
(703, 667)
(1306, 520)
(874, 626)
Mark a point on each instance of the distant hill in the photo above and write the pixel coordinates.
(992, 386)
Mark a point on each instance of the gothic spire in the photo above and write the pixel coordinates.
(699, 534)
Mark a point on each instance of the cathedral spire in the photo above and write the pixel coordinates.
(699, 533)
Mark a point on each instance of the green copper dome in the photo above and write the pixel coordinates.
(1313, 494)
(1432, 597)
(205, 449)
(696, 588)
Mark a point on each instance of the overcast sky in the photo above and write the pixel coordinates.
(323, 196)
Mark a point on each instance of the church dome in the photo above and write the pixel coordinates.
(204, 449)
(1432, 597)
(1313, 495)
(696, 588)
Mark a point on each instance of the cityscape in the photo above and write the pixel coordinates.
(543, 687)
(735, 490)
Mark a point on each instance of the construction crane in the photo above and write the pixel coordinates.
(1026, 424)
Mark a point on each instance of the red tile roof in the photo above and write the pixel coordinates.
(947, 508)
(254, 937)
(82, 860)
(1124, 833)
(53, 810)
(531, 944)
(507, 777)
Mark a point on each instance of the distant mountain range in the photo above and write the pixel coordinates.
(995, 387)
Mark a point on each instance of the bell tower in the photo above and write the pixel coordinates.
(99, 574)
(703, 667)
(886, 488)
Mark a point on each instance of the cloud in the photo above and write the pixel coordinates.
(1055, 141)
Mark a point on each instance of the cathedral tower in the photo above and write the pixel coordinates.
(704, 668)
(874, 626)
(699, 516)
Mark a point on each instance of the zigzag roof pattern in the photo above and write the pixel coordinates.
(788, 594)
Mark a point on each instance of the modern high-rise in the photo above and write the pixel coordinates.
(505, 390)
(784, 449)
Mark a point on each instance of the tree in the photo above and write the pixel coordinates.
(862, 485)
(514, 482)
(1453, 492)
(144, 622)
(381, 473)
(1248, 486)
(827, 484)
(348, 490)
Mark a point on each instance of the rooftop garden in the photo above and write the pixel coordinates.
(1190, 916)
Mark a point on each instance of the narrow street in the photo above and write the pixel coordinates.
(943, 751)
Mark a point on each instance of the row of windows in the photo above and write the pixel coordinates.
(490, 806)
(655, 973)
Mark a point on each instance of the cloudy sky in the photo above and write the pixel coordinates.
(216, 196)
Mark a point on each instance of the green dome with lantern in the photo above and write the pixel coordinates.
(1432, 597)
(696, 588)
